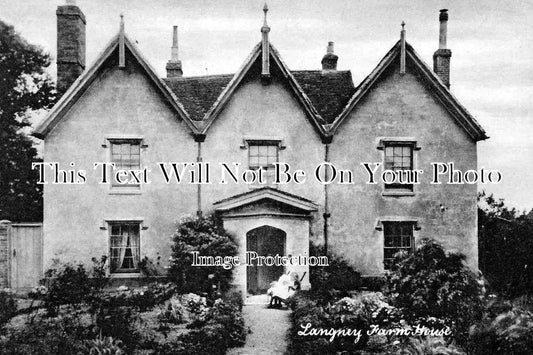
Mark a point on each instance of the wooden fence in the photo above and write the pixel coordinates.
(21, 255)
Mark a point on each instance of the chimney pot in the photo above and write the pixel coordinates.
(329, 61)
(174, 69)
(443, 15)
(330, 49)
(70, 44)
(441, 58)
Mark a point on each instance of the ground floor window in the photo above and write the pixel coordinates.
(398, 237)
(124, 247)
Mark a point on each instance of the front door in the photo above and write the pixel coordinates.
(265, 241)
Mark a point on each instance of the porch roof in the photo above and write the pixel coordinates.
(265, 193)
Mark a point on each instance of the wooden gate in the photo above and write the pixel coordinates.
(21, 255)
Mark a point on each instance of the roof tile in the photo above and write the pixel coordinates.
(329, 91)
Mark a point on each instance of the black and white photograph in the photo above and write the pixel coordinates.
(284, 177)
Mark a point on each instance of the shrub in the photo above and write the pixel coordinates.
(430, 346)
(510, 332)
(432, 285)
(67, 284)
(119, 323)
(47, 336)
(346, 313)
(104, 346)
(333, 281)
(172, 312)
(8, 307)
(206, 236)
(221, 327)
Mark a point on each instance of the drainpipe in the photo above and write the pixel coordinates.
(199, 138)
(326, 214)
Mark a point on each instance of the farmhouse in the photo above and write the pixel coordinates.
(118, 110)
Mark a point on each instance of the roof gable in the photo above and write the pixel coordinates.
(328, 90)
(312, 114)
(197, 94)
(434, 83)
(84, 81)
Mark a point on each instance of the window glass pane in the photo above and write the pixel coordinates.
(124, 247)
(388, 151)
(254, 150)
(262, 154)
(398, 237)
(126, 155)
(398, 157)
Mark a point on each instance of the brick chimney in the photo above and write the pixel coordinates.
(174, 64)
(329, 61)
(70, 44)
(441, 57)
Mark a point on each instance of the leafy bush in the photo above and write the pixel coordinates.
(8, 307)
(430, 346)
(510, 332)
(431, 285)
(505, 246)
(119, 323)
(142, 298)
(206, 236)
(104, 346)
(196, 305)
(221, 327)
(332, 281)
(46, 336)
(68, 284)
(172, 312)
(346, 313)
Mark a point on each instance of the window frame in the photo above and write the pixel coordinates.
(261, 142)
(387, 261)
(123, 189)
(387, 142)
(139, 226)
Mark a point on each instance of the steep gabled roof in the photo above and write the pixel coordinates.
(327, 97)
(312, 114)
(87, 78)
(197, 94)
(328, 90)
(436, 86)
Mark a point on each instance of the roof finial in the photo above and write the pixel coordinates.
(265, 49)
(402, 49)
(265, 10)
(121, 51)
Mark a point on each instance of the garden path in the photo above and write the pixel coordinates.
(269, 328)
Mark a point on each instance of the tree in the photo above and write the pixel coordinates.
(24, 88)
(505, 247)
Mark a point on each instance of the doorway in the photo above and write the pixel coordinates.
(265, 241)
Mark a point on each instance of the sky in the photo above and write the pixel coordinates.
(491, 64)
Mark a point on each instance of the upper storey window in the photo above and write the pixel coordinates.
(126, 154)
(398, 157)
(263, 154)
